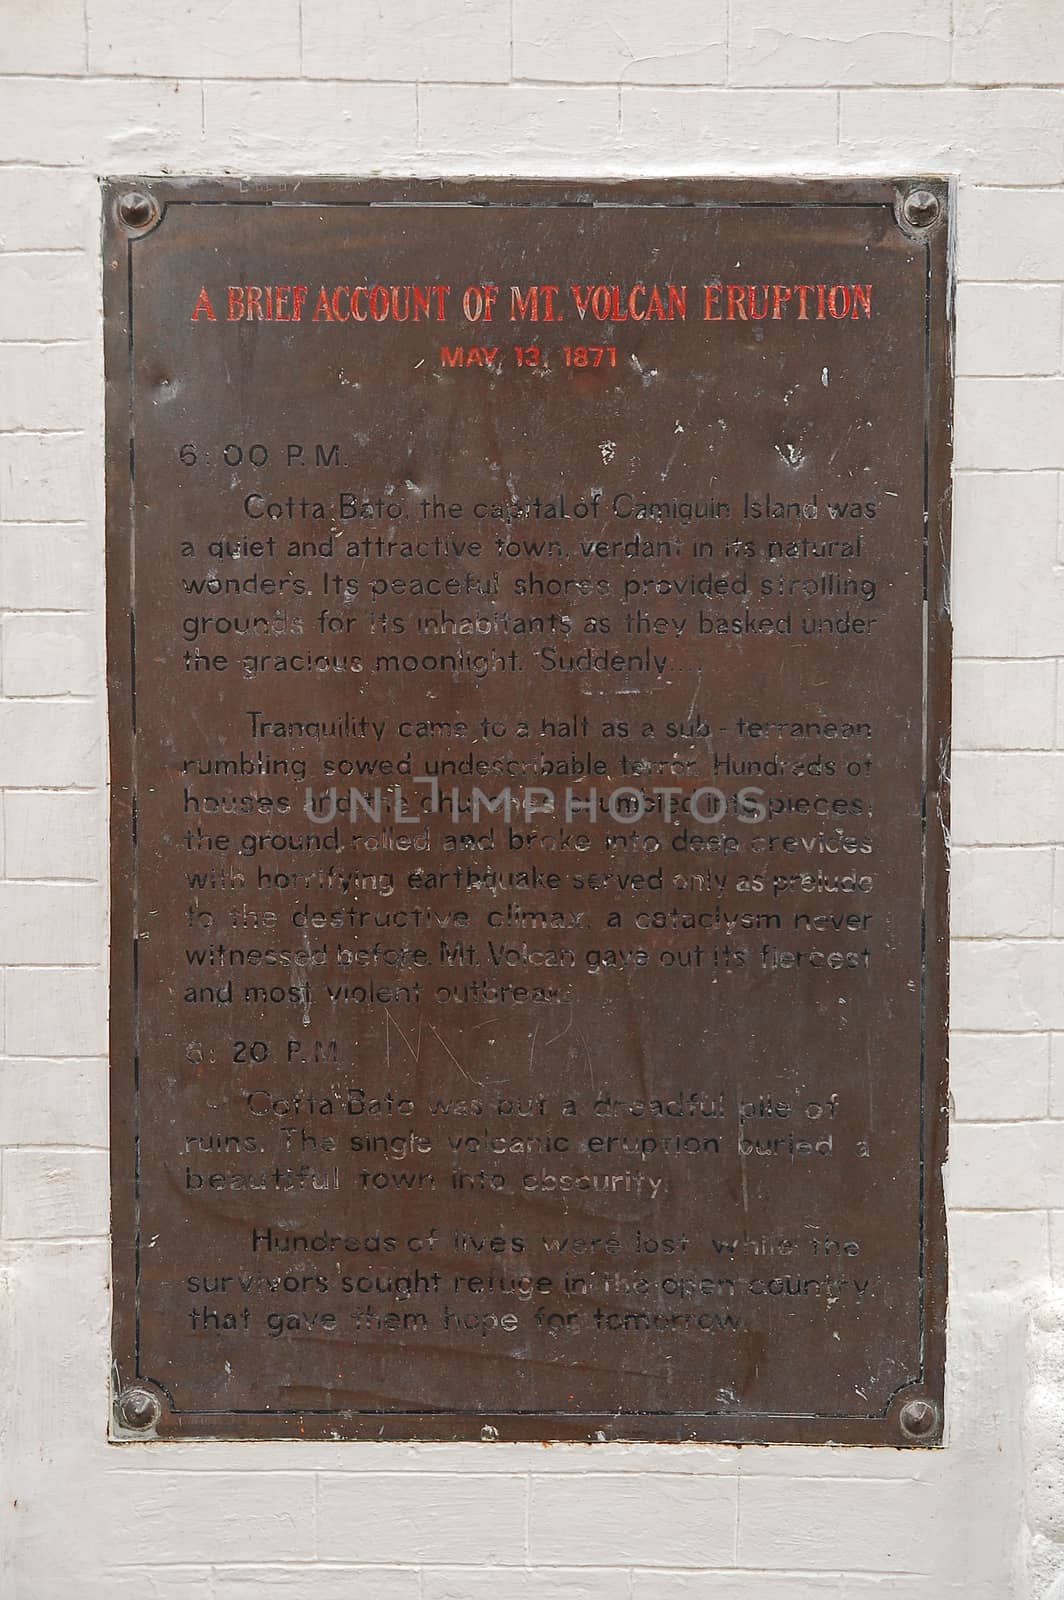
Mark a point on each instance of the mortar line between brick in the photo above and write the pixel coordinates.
(14, 252)
(364, 1568)
(36, 1149)
(52, 883)
(49, 1238)
(868, 86)
(452, 165)
(528, 1519)
(952, 41)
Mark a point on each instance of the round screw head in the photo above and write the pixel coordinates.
(139, 1409)
(921, 208)
(919, 1419)
(136, 209)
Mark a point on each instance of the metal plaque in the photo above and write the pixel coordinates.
(529, 706)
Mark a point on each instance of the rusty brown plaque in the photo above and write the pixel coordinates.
(529, 706)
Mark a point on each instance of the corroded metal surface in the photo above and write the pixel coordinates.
(529, 707)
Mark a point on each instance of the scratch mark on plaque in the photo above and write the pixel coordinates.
(694, 697)
(792, 454)
(479, 1081)
(391, 1022)
(587, 1058)
(563, 1031)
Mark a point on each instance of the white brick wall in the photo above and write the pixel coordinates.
(490, 86)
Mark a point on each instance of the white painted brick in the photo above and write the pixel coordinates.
(831, 1461)
(336, 127)
(48, 569)
(101, 124)
(49, 746)
(453, 40)
(47, 295)
(436, 1517)
(1008, 41)
(1008, 589)
(1009, 423)
(43, 36)
(44, 477)
(1007, 797)
(55, 1013)
(667, 1585)
(1004, 705)
(319, 1583)
(57, 1367)
(350, 1459)
(998, 1077)
(685, 42)
(48, 211)
(1005, 1166)
(1056, 1075)
(49, 655)
(523, 124)
(884, 1527)
(198, 39)
(746, 129)
(141, 1583)
(1001, 893)
(52, 1194)
(491, 1583)
(1010, 233)
(45, 385)
(225, 1516)
(49, 834)
(1008, 328)
(1016, 984)
(48, 924)
(53, 1102)
(991, 135)
(792, 42)
(999, 1250)
(622, 1521)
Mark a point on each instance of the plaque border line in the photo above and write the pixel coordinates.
(438, 1424)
